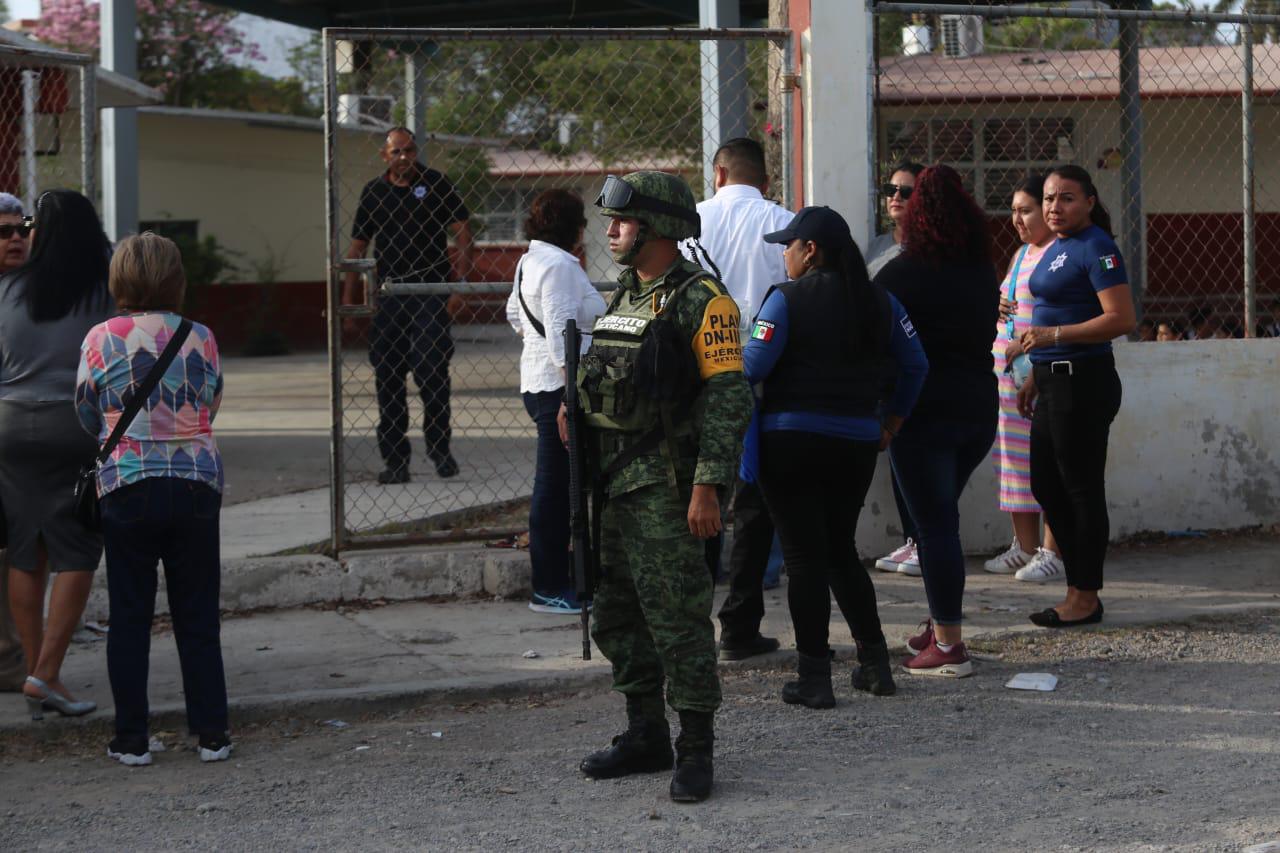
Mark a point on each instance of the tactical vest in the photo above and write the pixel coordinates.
(815, 373)
(615, 388)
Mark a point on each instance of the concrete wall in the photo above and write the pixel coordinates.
(1196, 446)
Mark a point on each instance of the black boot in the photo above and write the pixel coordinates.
(813, 688)
(874, 674)
(645, 747)
(691, 783)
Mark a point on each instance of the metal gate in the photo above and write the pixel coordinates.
(503, 115)
(1175, 113)
(48, 118)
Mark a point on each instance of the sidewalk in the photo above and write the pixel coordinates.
(329, 663)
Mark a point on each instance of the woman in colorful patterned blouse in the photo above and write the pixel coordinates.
(161, 493)
(1026, 559)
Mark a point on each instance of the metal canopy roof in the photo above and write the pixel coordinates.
(487, 13)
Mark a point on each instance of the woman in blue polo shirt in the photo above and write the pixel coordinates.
(820, 347)
(1083, 302)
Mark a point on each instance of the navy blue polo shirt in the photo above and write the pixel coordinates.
(1066, 283)
(407, 224)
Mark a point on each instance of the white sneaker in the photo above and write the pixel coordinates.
(911, 565)
(1045, 565)
(890, 562)
(1008, 562)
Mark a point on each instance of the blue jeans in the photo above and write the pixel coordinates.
(174, 521)
(932, 462)
(549, 508)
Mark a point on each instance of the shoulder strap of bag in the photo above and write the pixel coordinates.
(142, 393)
(533, 321)
(1013, 281)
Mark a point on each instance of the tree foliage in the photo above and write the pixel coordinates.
(180, 42)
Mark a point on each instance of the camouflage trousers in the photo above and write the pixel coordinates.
(652, 610)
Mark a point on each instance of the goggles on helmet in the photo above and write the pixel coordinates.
(617, 194)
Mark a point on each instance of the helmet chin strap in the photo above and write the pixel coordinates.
(628, 256)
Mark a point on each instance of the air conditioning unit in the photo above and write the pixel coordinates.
(962, 35)
(365, 111)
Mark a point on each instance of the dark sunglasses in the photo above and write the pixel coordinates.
(890, 190)
(7, 231)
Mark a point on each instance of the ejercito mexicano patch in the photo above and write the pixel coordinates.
(718, 344)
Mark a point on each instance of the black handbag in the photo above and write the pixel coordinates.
(87, 509)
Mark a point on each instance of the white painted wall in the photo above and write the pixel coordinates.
(1196, 446)
(835, 81)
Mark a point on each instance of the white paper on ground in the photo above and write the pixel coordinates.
(1042, 681)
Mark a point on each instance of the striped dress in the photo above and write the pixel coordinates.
(1012, 450)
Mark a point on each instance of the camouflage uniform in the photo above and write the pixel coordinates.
(652, 610)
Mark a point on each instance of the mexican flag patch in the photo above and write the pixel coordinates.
(1109, 262)
(762, 331)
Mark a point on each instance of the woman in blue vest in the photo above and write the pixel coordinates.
(820, 347)
(1083, 302)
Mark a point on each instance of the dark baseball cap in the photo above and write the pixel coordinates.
(822, 225)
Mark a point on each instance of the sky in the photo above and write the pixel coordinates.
(273, 38)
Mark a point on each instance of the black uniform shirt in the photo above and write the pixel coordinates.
(408, 224)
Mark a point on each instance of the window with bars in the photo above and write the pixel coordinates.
(505, 209)
(992, 155)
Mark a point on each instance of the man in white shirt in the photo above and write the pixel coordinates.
(734, 221)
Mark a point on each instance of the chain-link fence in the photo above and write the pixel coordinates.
(46, 122)
(1175, 114)
(426, 230)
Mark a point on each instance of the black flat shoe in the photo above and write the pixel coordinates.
(1049, 618)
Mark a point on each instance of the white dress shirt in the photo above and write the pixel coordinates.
(555, 288)
(733, 222)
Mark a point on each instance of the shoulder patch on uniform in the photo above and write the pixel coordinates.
(718, 343)
(716, 288)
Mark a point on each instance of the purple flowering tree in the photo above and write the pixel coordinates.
(180, 42)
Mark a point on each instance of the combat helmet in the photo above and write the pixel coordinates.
(662, 201)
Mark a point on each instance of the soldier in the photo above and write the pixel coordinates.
(666, 405)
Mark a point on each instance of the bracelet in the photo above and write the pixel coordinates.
(1057, 335)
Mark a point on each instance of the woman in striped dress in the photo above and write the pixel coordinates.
(1026, 559)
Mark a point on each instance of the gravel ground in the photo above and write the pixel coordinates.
(1155, 739)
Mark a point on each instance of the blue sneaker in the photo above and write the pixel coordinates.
(564, 604)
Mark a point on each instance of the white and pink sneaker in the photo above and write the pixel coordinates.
(906, 553)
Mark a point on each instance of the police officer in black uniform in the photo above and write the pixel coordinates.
(407, 210)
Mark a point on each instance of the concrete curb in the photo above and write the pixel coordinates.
(253, 583)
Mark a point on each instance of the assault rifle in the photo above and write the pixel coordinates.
(584, 569)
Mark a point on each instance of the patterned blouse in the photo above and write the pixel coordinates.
(172, 436)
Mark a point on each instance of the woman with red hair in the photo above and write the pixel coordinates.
(949, 288)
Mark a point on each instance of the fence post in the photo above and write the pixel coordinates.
(1132, 217)
(333, 299)
(30, 93)
(724, 89)
(1246, 150)
(88, 130)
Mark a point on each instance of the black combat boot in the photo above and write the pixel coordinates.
(813, 688)
(874, 674)
(645, 747)
(691, 783)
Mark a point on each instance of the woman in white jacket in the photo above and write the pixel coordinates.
(550, 289)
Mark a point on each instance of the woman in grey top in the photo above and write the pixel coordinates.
(46, 307)
(885, 247)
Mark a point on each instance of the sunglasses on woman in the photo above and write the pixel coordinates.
(7, 231)
(890, 190)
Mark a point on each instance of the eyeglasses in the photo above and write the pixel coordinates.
(7, 231)
(890, 190)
